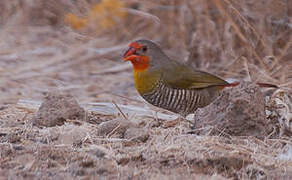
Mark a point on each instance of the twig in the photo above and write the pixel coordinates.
(120, 110)
(113, 131)
(247, 69)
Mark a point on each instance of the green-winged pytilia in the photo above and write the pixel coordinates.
(168, 84)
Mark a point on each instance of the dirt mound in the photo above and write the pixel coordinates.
(239, 111)
(58, 107)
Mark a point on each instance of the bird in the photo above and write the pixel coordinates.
(170, 84)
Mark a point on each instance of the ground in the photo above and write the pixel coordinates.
(119, 135)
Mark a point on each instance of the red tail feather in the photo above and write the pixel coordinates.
(231, 84)
(264, 85)
(267, 85)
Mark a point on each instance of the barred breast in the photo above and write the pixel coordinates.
(182, 101)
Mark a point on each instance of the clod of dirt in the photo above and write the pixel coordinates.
(13, 138)
(136, 134)
(279, 113)
(228, 165)
(239, 111)
(114, 128)
(56, 108)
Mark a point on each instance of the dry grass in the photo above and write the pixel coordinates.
(236, 39)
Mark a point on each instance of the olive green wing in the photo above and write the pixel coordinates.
(182, 76)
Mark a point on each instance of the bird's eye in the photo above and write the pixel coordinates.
(144, 48)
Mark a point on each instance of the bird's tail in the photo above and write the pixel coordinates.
(266, 85)
(263, 85)
(230, 84)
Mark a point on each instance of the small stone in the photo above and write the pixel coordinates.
(13, 138)
(114, 128)
(136, 134)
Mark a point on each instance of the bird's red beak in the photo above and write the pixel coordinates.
(130, 55)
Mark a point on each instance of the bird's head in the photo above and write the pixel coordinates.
(145, 55)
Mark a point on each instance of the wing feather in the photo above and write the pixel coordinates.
(182, 76)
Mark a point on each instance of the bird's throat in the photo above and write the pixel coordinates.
(145, 81)
(140, 63)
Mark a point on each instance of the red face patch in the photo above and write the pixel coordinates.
(132, 49)
(140, 63)
(135, 45)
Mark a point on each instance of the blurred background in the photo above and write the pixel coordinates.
(77, 45)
